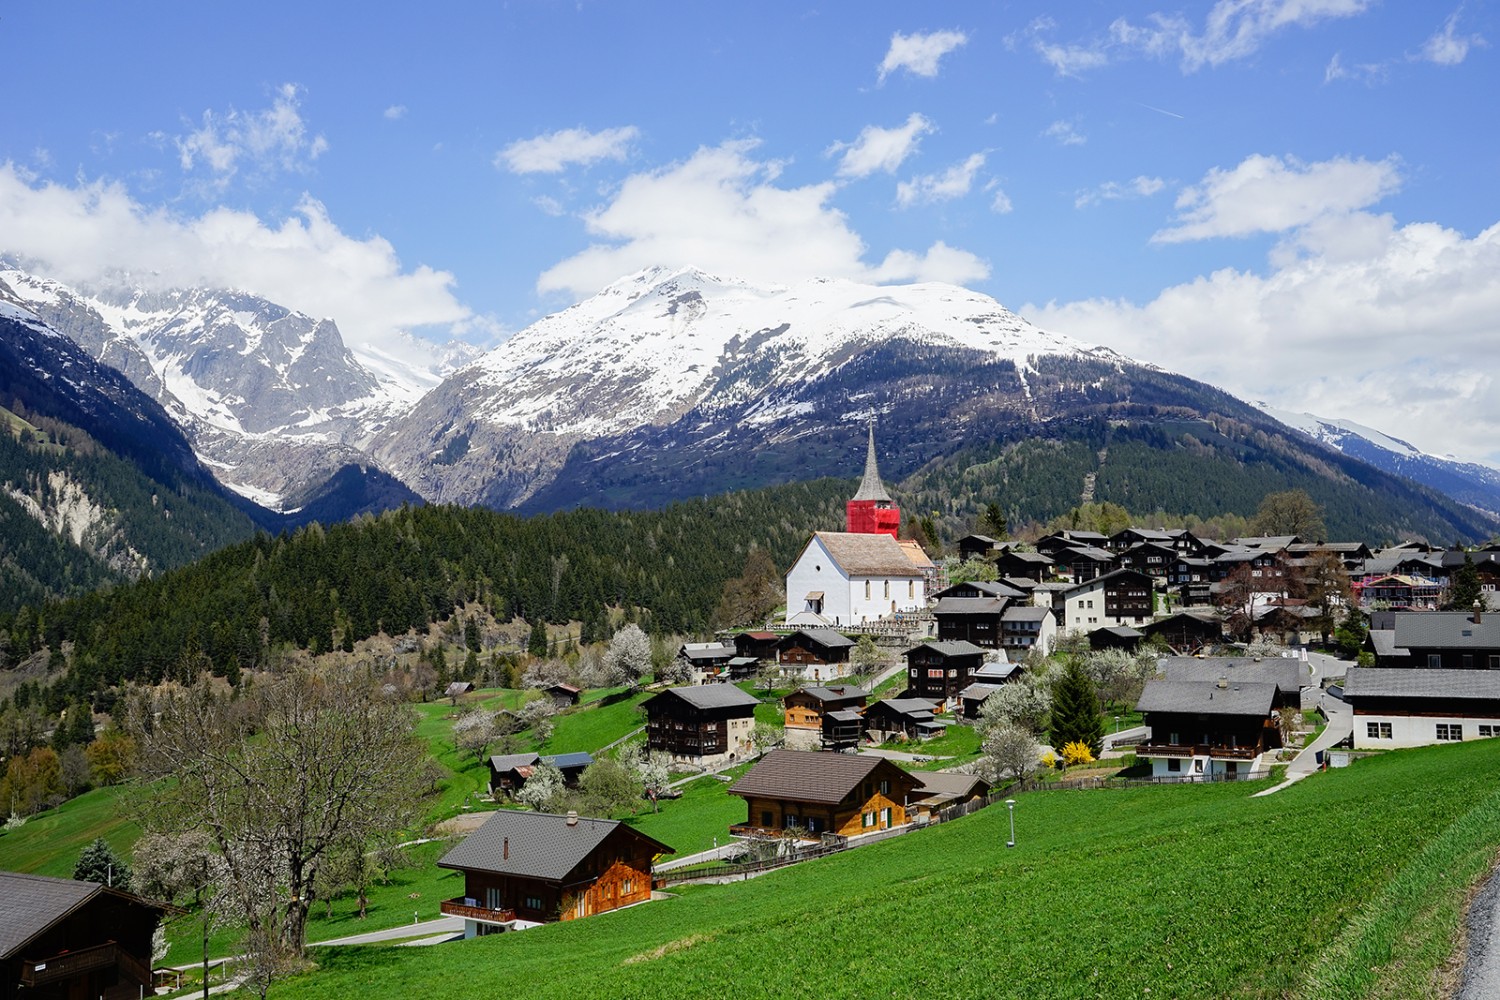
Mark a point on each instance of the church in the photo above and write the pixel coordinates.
(863, 573)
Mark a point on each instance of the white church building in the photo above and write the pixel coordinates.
(846, 578)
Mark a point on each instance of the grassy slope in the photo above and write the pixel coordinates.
(1185, 891)
(50, 842)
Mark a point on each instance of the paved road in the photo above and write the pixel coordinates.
(1340, 725)
(427, 928)
(1481, 978)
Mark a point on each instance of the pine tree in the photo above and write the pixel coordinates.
(537, 644)
(1465, 589)
(1075, 710)
(99, 863)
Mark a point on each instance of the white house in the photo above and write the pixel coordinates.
(1414, 707)
(1123, 597)
(843, 578)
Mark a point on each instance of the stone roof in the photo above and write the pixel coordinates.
(1447, 630)
(579, 758)
(859, 554)
(953, 647)
(711, 696)
(535, 845)
(806, 775)
(947, 785)
(969, 606)
(1406, 682)
(826, 637)
(1025, 613)
(1207, 698)
(511, 761)
(823, 692)
(1384, 642)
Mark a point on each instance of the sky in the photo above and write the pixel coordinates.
(1296, 200)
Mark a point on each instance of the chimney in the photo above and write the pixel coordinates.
(572, 817)
(506, 853)
(1223, 683)
(1478, 610)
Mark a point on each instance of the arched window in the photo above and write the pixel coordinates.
(867, 590)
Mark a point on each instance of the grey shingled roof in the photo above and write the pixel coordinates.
(996, 670)
(1287, 674)
(541, 845)
(825, 693)
(946, 784)
(845, 715)
(826, 637)
(979, 691)
(581, 758)
(1404, 682)
(1207, 698)
(1025, 613)
(1446, 630)
(506, 762)
(969, 606)
(712, 696)
(806, 775)
(870, 487)
(952, 647)
(868, 554)
(1384, 641)
(29, 904)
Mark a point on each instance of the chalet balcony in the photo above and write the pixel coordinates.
(1214, 750)
(70, 964)
(467, 908)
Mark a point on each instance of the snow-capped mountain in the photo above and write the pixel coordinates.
(1467, 482)
(271, 398)
(702, 354)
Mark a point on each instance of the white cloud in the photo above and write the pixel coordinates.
(919, 54)
(264, 142)
(554, 151)
(1000, 203)
(395, 112)
(96, 233)
(1356, 318)
(1447, 47)
(721, 210)
(1266, 194)
(1364, 72)
(955, 182)
(549, 205)
(1066, 133)
(1232, 30)
(880, 148)
(1140, 187)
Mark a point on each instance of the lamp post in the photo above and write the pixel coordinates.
(1011, 805)
(1117, 724)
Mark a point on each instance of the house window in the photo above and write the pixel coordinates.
(765, 818)
(1434, 661)
(533, 902)
(627, 887)
(911, 590)
(1450, 731)
(935, 672)
(867, 590)
(1378, 730)
(885, 788)
(1468, 661)
(1495, 661)
(492, 898)
(1174, 764)
(868, 819)
(913, 671)
(885, 817)
(1488, 730)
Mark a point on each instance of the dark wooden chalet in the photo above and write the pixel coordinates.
(1002, 589)
(1448, 640)
(938, 790)
(1155, 558)
(564, 695)
(1026, 565)
(1116, 637)
(909, 718)
(1053, 543)
(757, 645)
(1289, 674)
(702, 723)
(1084, 562)
(509, 772)
(977, 547)
(61, 939)
(817, 793)
(1187, 631)
(843, 729)
(938, 671)
(524, 867)
(806, 708)
(1207, 728)
(970, 619)
(814, 647)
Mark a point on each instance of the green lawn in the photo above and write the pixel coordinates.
(594, 726)
(1348, 884)
(704, 812)
(50, 842)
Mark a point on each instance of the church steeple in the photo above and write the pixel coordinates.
(872, 511)
(871, 488)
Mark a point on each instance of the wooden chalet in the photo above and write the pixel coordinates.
(937, 790)
(704, 659)
(1003, 589)
(509, 772)
(704, 724)
(1120, 597)
(1187, 631)
(938, 671)
(457, 689)
(1154, 558)
(907, 718)
(1054, 543)
(563, 695)
(1027, 565)
(757, 645)
(970, 619)
(1116, 637)
(820, 652)
(1410, 707)
(1083, 563)
(1447, 640)
(817, 793)
(1207, 729)
(1289, 674)
(526, 868)
(807, 709)
(977, 547)
(61, 939)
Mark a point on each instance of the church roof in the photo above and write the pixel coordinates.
(859, 554)
(871, 488)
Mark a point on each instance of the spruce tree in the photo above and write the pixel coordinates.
(99, 863)
(1075, 710)
(537, 644)
(1465, 588)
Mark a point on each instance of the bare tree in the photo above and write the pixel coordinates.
(279, 778)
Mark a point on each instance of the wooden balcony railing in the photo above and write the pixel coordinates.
(1196, 750)
(459, 908)
(69, 964)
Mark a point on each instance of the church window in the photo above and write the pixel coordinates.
(867, 590)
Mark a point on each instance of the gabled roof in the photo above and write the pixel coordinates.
(859, 554)
(581, 758)
(955, 647)
(1287, 674)
(827, 693)
(826, 637)
(844, 715)
(1039, 558)
(30, 904)
(511, 761)
(1117, 574)
(987, 588)
(978, 690)
(809, 775)
(947, 784)
(536, 845)
(1207, 698)
(1025, 613)
(1383, 641)
(706, 651)
(1404, 682)
(919, 709)
(705, 696)
(1273, 543)
(969, 606)
(1447, 630)
(1092, 552)
(1120, 632)
(998, 671)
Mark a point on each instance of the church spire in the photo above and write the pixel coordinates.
(871, 488)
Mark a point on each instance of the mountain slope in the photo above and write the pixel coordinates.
(1467, 482)
(99, 466)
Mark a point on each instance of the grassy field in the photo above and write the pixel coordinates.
(1347, 884)
(597, 725)
(704, 812)
(50, 842)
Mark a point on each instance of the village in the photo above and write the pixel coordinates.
(896, 693)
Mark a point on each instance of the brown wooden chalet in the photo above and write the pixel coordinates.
(938, 671)
(523, 868)
(970, 619)
(1027, 565)
(509, 772)
(938, 790)
(703, 723)
(61, 939)
(977, 547)
(908, 718)
(1446, 640)
(564, 695)
(814, 647)
(1006, 590)
(1288, 674)
(807, 709)
(1116, 637)
(1054, 543)
(1207, 729)
(819, 793)
(1083, 563)
(757, 645)
(1155, 558)
(1187, 631)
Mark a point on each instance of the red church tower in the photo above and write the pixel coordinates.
(871, 512)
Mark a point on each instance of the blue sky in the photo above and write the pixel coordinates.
(1295, 199)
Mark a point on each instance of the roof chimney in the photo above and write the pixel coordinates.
(572, 817)
(506, 852)
(1223, 683)
(1478, 610)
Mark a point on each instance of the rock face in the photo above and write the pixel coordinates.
(272, 399)
(686, 359)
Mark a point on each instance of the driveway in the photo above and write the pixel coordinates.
(1340, 725)
(441, 929)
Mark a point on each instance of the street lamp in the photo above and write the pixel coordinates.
(1011, 805)
(1117, 723)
